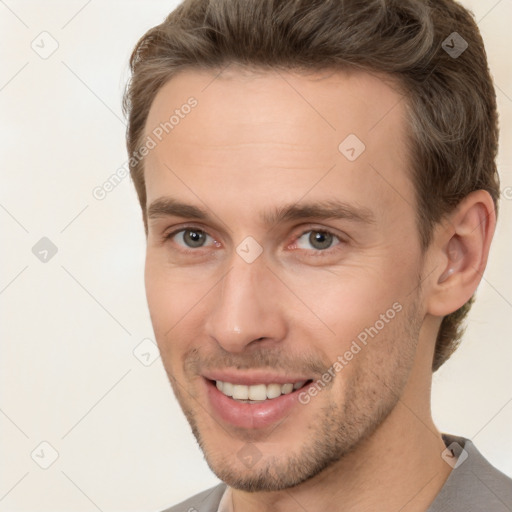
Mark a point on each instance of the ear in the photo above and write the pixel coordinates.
(459, 251)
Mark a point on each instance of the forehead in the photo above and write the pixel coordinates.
(330, 103)
(248, 130)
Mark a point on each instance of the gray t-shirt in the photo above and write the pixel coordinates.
(473, 485)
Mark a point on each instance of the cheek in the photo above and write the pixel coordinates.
(345, 294)
(355, 303)
(171, 302)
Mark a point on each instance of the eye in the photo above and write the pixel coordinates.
(190, 238)
(320, 240)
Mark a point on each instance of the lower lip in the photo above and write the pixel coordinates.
(251, 416)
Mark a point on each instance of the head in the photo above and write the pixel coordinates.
(319, 191)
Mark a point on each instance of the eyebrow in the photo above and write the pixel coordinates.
(328, 209)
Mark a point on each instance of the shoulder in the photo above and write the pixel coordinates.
(474, 484)
(206, 501)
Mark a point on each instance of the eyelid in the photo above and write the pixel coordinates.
(183, 227)
(320, 229)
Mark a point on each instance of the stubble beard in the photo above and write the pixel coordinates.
(338, 429)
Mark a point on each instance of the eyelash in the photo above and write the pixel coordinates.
(313, 252)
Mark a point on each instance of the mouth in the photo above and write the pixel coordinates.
(255, 403)
(258, 393)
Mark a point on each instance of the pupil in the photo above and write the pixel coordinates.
(194, 238)
(320, 240)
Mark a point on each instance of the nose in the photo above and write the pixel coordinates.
(247, 308)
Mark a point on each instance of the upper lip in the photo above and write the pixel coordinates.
(252, 377)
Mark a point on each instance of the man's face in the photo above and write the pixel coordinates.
(265, 291)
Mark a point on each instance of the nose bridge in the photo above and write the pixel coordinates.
(245, 306)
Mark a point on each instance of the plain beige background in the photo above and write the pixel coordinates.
(73, 372)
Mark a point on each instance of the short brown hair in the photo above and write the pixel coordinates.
(450, 99)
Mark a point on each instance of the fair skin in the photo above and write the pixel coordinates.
(254, 144)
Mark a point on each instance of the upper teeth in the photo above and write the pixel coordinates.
(257, 391)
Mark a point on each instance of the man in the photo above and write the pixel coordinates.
(319, 193)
